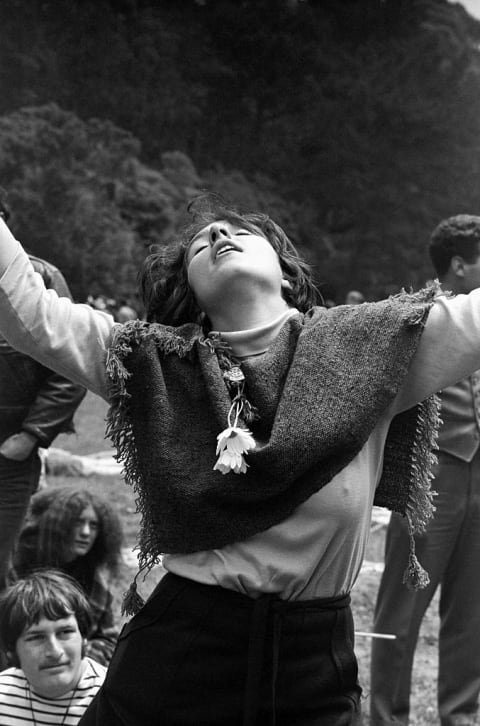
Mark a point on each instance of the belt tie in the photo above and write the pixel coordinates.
(257, 641)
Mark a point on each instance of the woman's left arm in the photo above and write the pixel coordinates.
(448, 351)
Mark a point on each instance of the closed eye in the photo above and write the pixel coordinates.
(197, 250)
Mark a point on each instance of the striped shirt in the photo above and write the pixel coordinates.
(19, 705)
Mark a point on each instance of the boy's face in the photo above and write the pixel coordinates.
(50, 655)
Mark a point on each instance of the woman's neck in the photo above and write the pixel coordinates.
(246, 315)
(256, 340)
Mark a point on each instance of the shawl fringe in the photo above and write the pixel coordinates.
(420, 507)
(119, 425)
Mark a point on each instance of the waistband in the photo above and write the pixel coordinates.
(176, 583)
(264, 610)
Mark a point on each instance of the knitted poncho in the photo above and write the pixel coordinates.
(319, 389)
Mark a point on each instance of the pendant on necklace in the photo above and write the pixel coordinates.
(234, 375)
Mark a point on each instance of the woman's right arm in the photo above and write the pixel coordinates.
(68, 338)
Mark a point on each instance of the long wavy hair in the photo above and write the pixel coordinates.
(48, 528)
(163, 278)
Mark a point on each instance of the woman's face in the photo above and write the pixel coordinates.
(84, 533)
(50, 655)
(225, 257)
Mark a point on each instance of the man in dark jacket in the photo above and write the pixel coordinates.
(35, 405)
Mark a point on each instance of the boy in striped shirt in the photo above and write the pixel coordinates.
(44, 619)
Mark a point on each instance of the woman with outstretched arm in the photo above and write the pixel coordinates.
(257, 429)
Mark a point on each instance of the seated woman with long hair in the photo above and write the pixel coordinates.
(76, 531)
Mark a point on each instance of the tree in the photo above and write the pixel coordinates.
(365, 113)
(82, 198)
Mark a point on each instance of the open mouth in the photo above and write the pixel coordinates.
(224, 248)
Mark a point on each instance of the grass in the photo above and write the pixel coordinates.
(90, 425)
(423, 711)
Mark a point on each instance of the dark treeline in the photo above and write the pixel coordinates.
(356, 124)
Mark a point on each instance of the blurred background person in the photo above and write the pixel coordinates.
(36, 404)
(78, 532)
(450, 548)
(125, 312)
(354, 297)
(44, 620)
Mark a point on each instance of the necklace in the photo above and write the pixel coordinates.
(28, 697)
(236, 440)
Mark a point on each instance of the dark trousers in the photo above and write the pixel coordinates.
(450, 552)
(201, 655)
(18, 481)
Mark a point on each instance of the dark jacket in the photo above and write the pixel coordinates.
(32, 397)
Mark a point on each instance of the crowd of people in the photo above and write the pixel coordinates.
(258, 427)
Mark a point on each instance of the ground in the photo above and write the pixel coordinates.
(90, 439)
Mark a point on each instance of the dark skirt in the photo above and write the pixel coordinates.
(200, 655)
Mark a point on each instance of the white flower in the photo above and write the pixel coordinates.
(227, 462)
(236, 440)
(232, 444)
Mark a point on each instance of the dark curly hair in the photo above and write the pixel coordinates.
(46, 534)
(163, 279)
(458, 235)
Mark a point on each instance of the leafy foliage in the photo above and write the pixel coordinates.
(83, 199)
(355, 123)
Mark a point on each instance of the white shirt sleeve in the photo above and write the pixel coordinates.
(68, 338)
(449, 349)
